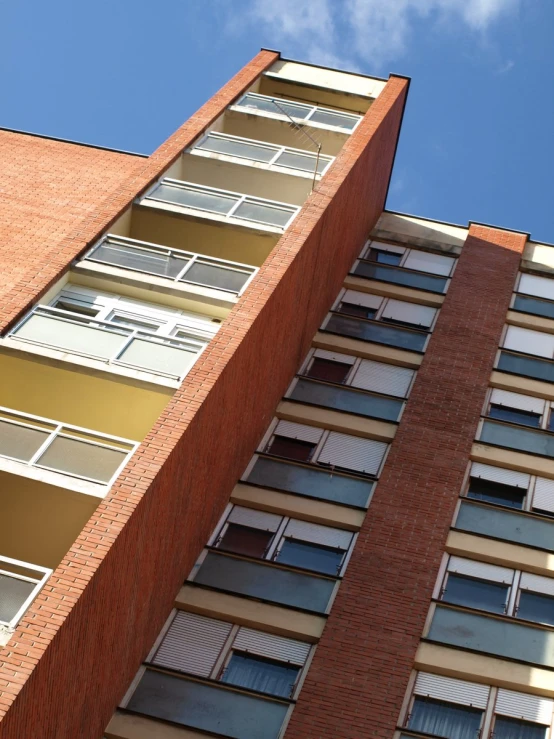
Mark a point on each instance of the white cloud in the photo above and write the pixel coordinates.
(350, 32)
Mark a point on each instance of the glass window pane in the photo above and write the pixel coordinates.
(311, 556)
(157, 357)
(378, 333)
(465, 591)
(445, 719)
(540, 369)
(261, 213)
(82, 459)
(267, 104)
(327, 118)
(361, 311)
(245, 540)
(20, 442)
(282, 446)
(214, 275)
(344, 399)
(495, 492)
(535, 306)
(201, 199)
(511, 437)
(326, 369)
(304, 162)
(13, 593)
(142, 324)
(384, 257)
(256, 673)
(156, 263)
(536, 607)
(515, 728)
(400, 276)
(81, 309)
(235, 148)
(515, 415)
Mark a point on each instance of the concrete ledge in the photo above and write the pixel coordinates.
(534, 465)
(366, 350)
(524, 385)
(526, 320)
(128, 726)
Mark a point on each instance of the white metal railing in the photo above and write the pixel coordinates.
(112, 343)
(59, 447)
(230, 205)
(20, 583)
(303, 112)
(260, 151)
(176, 265)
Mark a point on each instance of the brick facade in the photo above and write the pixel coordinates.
(359, 675)
(94, 622)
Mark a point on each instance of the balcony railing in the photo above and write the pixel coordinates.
(517, 438)
(270, 154)
(173, 264)
(526, 365)
(108, 342)
(70, 450)
(377, 332)
(400, 276)
(232, 206)
(19, 584)
(535, 306)
(303, 112)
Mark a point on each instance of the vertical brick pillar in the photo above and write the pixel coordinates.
(358, 678)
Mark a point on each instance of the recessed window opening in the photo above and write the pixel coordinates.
(495, 492)
(311, 556)
(73, 307)
(384, 257)
(360, 311)
(258, 673)
(515, 415)
(283, 446)
(473, 593)
(245, 540)
(449, 720)
(537, 607)
(329, 370)
(515, 728)
(398, 322)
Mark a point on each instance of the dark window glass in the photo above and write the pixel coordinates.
(345, 399)
(519, 364)
(282, 446)
(311, 556)
(245, 540)
(535, 306)
(515, 728)
(400, 276)
(466, 591)
(384, 257)
(495, 492)
(542, 512)
(536, 607)
(257, 673)
(376, 331)
(360, 311)
(445, 719)
(82, 310)
(551, 422)
(327, 369)
(515, 415)
(511, 437)
(397, 322)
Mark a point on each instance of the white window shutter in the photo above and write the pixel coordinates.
(383, 378)
(541, 287)
(271, 646)
(451, 690)
(381, 246)
(357, 298)
(424, 262)
(501, 475)
(400, 310)
(524, 706)
(334, 356)
(324, 535)
(481, 570)
(192, 644)
(353, 453)
(254, 519)
(537, 583)
(543, 497)
(529, 342)
(298, 431)
(516, 400)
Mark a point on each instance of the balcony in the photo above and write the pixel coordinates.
(526, 366)
(377, 332)
(517, 438)
(400, 276)
(20, 583)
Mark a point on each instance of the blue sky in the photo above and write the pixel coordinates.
(477, 138)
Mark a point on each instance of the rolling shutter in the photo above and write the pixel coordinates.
(386, 247)
(516, 400)
(542, 287)
(424, 262)
(483, 571)
(334, 356)
(501, 475)
(192, 644)
(525, 706)
(451, 690)
(537, 583)
(269, 645)
(543, 497)
(324, 535)
(383, 378)
(529, 342)
(298, 431)
(357, 298)
(254, 519)
(399, 310)
(353, 453)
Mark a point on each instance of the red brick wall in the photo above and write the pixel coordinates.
(79, 646)
(358, 678)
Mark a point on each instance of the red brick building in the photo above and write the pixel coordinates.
(274, 461)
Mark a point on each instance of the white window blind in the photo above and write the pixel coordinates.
(334, 356)
(192, 644)
(451, 690)
(480, 570)
(399, 310)
(537, 583)
(541, 287)
(543, 498)
(324, 535)
(383, 378)
(298, 431)
(425, 262)
(353, 453)
(525, 706)
(254, 519)
(501, 475)
(357, 298)
(271, 646)
(529, 342)
(516, 400)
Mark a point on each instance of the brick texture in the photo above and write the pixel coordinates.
(80, 644)
(358, 678)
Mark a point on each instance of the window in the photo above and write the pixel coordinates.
(283, 446)
(536, 607)
(443, 719)
(258, 673)
(246, 540)
(515, 415)
(360, 311)
(495, 492)
(74, 307)
(327, 369)
(514, 728)
(384, 257)
(474, 593)
(311, 556)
